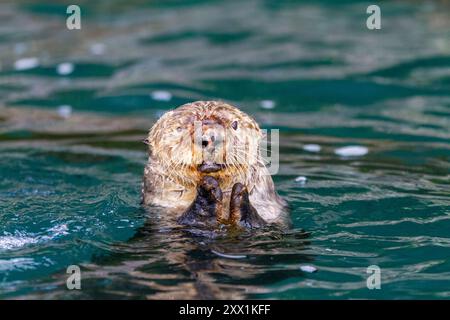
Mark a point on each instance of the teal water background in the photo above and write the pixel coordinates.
(70, 182)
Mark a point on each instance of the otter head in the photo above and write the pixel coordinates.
(206, 138)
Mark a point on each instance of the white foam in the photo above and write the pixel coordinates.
(26, 63)
(301, 179)
(65, 68)
(10, 242)
(351, 151)
(17, 263)
(14, 242)
(267, 104)
(58, 230)
(309, 269)
(65, 111)
(161, 95)
(312, 147)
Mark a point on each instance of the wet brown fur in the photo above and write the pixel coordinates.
(171, 176)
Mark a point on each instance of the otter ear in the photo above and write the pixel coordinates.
(146, 141)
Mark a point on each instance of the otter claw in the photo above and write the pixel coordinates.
(206, 206)
(241, 210)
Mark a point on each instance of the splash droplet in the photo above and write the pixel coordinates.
(65, 111)
(65, 68)
(309, 269)
(301, 179)
(312, 147)
(351, 151)
(267, 104)
(26, 63)
(161, 95)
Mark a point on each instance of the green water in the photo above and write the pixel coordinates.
(70, 188)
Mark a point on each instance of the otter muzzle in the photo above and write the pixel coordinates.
(208, 167)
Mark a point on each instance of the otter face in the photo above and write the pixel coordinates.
(206, 138)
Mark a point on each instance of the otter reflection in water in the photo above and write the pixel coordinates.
(205, 167)
(167, 261)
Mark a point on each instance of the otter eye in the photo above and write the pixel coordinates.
(179, 129)
(234, 125)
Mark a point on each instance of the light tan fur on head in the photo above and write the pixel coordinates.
(175, 146)
(231, 154)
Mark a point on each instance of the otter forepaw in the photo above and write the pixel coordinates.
(207, 205)
(241, 210)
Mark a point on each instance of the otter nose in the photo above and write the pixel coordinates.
(208, 141)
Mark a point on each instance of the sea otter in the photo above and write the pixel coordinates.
(205, 168)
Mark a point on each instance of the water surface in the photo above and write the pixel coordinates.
(70, 181)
